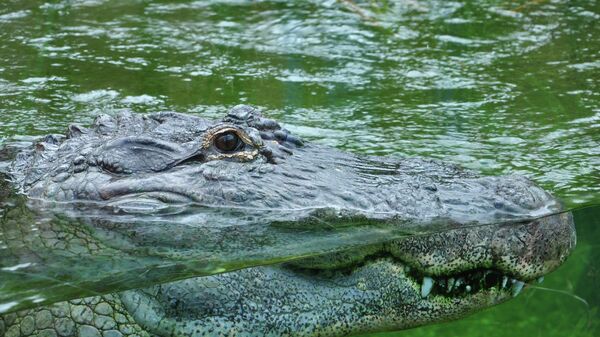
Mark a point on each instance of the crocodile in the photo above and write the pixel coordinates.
(501, 232)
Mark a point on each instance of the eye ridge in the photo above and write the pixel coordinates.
(228, 142)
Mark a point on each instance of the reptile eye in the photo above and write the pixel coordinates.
(227, 142)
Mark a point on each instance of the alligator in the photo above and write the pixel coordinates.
(497, 238)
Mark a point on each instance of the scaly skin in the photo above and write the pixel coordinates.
(132, 162)
(95, 316)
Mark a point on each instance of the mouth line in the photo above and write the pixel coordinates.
(455, 285)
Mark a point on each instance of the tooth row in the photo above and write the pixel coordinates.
(428, 283)
(426, 286)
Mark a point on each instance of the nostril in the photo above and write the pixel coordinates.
(524, 193)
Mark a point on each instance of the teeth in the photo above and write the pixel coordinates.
(517, 287)
(442, 282)
(426, 287)
(504, 281)
(540, 279)
(450, 284)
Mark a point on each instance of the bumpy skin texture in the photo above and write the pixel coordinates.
(170, 158)
(95, 316)
(143, 162)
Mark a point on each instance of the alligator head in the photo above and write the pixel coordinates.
(496, 239)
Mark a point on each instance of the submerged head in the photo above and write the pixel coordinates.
(395, 285)
(494, 240)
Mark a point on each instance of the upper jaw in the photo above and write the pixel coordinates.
(483, 264)
(525, 250)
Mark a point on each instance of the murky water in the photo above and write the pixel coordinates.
(498, 86)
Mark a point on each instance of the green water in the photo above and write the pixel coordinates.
(497, 86)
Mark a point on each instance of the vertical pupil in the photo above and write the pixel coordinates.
(227, 142)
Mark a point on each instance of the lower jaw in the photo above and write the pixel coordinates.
(439, 306)
(403, 305)
(435, 307)
(447, 309)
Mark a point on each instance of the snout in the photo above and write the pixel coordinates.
(524, 250)
(535, 248)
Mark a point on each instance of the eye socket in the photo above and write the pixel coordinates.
(227, 142)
